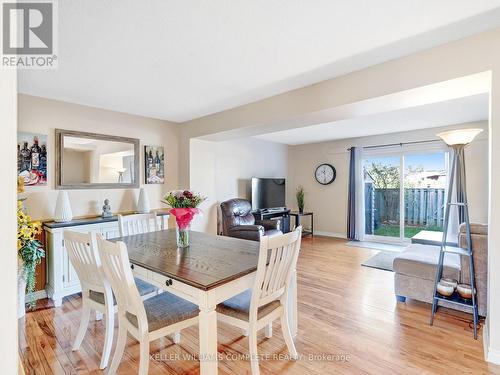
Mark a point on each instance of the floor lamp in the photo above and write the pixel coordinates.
(457, 140)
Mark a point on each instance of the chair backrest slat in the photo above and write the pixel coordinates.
(83, 255)
(137, 224)
(277, 260)
(116, 266)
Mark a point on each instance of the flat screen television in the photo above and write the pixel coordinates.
(268, 193)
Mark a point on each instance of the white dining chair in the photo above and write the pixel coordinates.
(148, 320)
(137, 224)
(96, 290)
(257, 308)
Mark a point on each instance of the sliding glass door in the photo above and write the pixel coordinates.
(404, 192)
(382, 176)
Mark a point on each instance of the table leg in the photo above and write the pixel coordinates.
(208, 340)
(292, 303)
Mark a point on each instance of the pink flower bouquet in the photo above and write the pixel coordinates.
(184, 205)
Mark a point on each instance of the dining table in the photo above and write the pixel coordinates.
(209, 271)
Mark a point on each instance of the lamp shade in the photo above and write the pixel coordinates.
(459, 137)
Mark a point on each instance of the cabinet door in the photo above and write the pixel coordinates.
(110, 232)
(70, 278)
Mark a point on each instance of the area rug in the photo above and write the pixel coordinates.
(377, 245)
(382, 260)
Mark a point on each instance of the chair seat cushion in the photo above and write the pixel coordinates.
(143, 287)
(239, 306)
(421, 261)
(165, 309)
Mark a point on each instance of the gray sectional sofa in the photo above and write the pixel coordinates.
(415, 269)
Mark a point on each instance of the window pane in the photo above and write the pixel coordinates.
(382, 182)
(424, 183)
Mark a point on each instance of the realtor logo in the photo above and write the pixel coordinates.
(28, 35)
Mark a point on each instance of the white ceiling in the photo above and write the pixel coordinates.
(450, 112)
(179, 60)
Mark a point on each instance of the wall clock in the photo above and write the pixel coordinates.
(325, 174)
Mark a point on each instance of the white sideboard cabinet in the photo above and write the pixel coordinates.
(62, 280)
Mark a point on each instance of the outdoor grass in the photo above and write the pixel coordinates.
(393, 230)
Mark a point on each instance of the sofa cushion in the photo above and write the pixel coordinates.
(421, 261)
(475, 228)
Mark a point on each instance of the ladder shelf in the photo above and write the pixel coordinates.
(458, 171)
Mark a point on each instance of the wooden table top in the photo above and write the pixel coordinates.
(208, 262)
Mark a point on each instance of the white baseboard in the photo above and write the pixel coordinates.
(330, 234)
(490, 355)
(486, 338)
(493, 356)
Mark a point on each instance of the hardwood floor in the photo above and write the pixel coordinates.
(348, 319)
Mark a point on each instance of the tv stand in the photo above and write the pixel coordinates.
(283, 213)
(273, 210)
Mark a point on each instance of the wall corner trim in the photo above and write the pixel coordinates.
(490, 355)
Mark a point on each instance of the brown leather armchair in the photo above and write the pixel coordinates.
(238, 221)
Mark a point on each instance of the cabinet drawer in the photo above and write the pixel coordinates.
(175, 287)
(139, 271)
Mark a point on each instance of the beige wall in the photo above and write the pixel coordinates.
(329, 203)
(478, 53)
(223, 170)
(40, 115)
(8, 221)
(453, 60)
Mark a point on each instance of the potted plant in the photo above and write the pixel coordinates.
(30, 253)
(184, 205)
(300, 194)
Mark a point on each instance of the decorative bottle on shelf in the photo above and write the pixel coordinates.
(35, 155)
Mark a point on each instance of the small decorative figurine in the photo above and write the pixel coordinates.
(106, 209)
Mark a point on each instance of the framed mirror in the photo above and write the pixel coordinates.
(96, 161)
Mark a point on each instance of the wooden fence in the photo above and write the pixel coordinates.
(423, 207)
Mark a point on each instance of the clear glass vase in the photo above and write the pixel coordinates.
(182, 236)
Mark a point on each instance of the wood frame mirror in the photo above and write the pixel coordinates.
(87, 143)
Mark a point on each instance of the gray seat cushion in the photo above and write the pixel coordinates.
(143, 287)
(239, 307)
(165, 309)
(421, 261)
